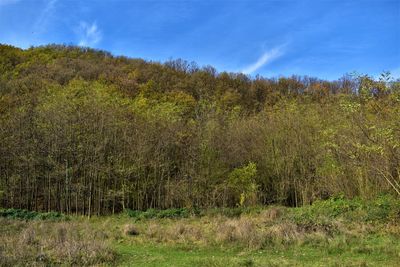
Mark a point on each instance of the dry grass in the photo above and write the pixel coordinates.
(243, 231)
(81, 242)
(52, 243)
(268, 228)
(271, 214)
(181, 232)
(130, 230)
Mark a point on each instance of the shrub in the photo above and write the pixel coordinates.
(384, 208)
(31, 215)
(159, 214)
(231, 212)
(241, 182)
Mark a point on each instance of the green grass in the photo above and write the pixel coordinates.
(371, 252)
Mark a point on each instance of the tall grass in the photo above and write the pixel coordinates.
(323, 223)
(45, 243)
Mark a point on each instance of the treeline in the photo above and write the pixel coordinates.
(85, 132)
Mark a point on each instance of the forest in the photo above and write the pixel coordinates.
(85, 132)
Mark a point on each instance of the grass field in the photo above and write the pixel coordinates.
(335, 232)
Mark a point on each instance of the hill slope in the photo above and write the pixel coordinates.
(85, 132)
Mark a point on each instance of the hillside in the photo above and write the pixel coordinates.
(86, 132)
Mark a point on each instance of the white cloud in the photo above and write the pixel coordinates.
(8, 2)
(43, 18)
(89, 34)
(265, 58)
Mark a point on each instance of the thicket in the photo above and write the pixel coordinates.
(84, 132)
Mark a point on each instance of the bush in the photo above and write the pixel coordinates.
(231, 212)
(384, 208)
(31, 215)
(173, 213)
(160, 214)
(227, 212)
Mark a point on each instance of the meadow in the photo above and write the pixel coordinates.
(333, 232)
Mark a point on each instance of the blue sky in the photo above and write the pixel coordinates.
(325, 38)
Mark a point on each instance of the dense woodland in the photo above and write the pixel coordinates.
(86, 132)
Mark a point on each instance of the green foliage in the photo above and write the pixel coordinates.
(160, 214)
(85, 132)
(234, 212)
(382, 209)
(177, 213)
(242, 182)
(22, 214)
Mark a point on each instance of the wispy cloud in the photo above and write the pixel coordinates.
(8, 2)
(264, 59)
(44, 16)
(89, 34)
(395, 73)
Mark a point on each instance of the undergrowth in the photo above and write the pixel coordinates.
(23, 214)
(383, 209)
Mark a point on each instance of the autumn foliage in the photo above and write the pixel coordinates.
(85, 132)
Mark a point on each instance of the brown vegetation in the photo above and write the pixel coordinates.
(130, 229)
(52, 243)
(255, 231)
